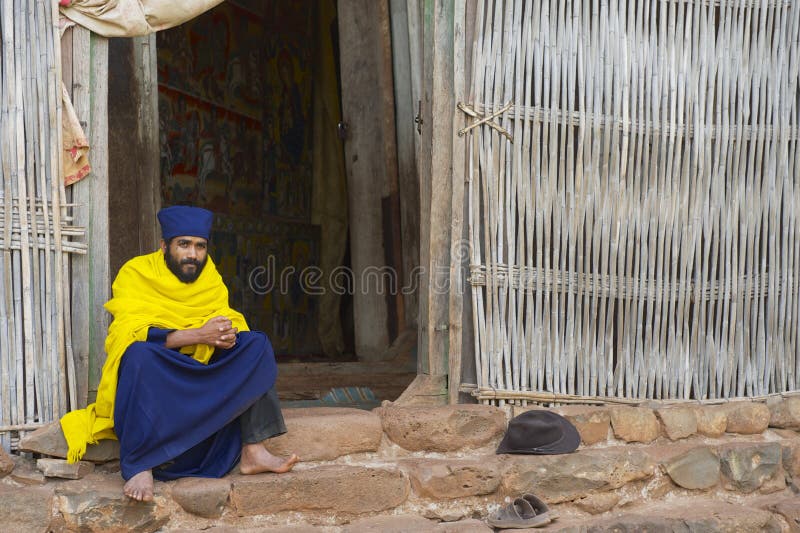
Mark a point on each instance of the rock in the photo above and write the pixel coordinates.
(785, 413)
(791, 458)
(453, 478)
(776, 483)
(202, 497)
(697, 469)
(678, 422)
(6, 463)
(560, 478)
(442, 429)
(25, 510)
(25, 473)
(711, 420)
(635, 424)
(391, 524)
(789, 509)
(325, 433)
(350, 490)
(747, 418)
(745, 467)
(62, 469)
(49, 440)
(598, 503)
(592, 422)
(101, 507)
(688, 516)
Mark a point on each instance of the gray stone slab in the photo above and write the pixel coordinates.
(696, 469)
(561, 478)
(747, 466)
(49, 440)
(60, 468)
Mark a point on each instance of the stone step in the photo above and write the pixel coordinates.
(588, 482)
(437, 467)
(325, 433)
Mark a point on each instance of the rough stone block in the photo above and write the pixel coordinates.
(560, 478)
(696, 469)
(789, 509)
(791, 458)
(6, 463)
(678, 422)
(635, 424)
(598, 503)
(745, 467)
(202, 497)
(747, 418)
(49, 440)
(25, 510)
(785, 413)
(61, 468)
(26, 473)
(442, 429)
(325, 433)
(592, 422)
(100, 508)
(350, 490)
(712, 420)
(453, 478)
(689, 516)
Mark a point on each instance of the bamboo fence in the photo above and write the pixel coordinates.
(35, 229)
(637, 235)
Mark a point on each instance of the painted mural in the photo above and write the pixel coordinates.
(234, 89)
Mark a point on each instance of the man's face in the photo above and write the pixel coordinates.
(186, 256)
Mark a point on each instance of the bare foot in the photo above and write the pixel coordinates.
(256, 459)
(140, 486)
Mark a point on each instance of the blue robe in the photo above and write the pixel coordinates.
(179, 417)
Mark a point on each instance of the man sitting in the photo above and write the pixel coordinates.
(186, 387)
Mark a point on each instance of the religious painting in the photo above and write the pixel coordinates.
(265, 264)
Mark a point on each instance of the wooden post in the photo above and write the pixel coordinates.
(408, 180)
(459, 249)
(91, 286)
(370, 161)
(436, 177)
(133, 129)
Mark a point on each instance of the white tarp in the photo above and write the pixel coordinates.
(130, 18)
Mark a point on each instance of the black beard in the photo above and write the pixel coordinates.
(175, 267)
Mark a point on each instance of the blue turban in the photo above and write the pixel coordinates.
(179, 220)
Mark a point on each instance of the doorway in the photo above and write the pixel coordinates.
(250, 126)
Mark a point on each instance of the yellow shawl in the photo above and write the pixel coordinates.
(146, 294)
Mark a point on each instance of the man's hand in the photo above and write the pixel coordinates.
(218, 332)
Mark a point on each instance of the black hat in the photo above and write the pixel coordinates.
(540, 432)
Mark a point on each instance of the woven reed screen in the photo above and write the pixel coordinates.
(636, 235)
(36, 375)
